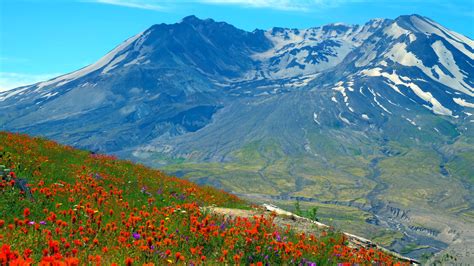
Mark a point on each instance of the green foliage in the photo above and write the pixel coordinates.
(311, 213)
(298, 210)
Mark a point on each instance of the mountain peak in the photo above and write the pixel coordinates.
(192, 19)
(410, 16)
(409, 19)
(424, 25)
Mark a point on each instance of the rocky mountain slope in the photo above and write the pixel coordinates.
(371, 119)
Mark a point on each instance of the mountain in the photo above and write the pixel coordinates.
(372, 119)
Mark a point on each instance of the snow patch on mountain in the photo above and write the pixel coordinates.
(343, 119)
(342, 90)
(139, 60)
(436, 106)
(375, 72)
(315, 118)
(114, 62)
(430, 27)
(398, 53)
(410, 121)
(463, 102)
(103, 62)
(377, 102)
(457, 79)
(50, 94)
(7, 94)
(395, 31)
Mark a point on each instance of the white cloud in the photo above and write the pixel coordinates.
(274, 4)
(11, 80)
(288, 5)
(142, 4)
(303, 5)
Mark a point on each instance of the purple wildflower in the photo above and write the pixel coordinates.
(222, 226)
(42, 222)
(136, 235)
(278, 237)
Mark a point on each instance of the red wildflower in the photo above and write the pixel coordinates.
(26, 212)
(128, 261)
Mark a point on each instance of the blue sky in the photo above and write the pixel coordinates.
(40, 39)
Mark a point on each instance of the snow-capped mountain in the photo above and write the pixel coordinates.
(171, 80)
(339, 98)
(417, 58)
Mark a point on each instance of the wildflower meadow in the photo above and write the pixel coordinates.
(62, 206)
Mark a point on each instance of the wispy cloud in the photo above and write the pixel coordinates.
(287, 5)
(11, 80)
(7, 59)
(273, 4)
(142, 4)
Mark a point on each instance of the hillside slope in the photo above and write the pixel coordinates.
(61, 204)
